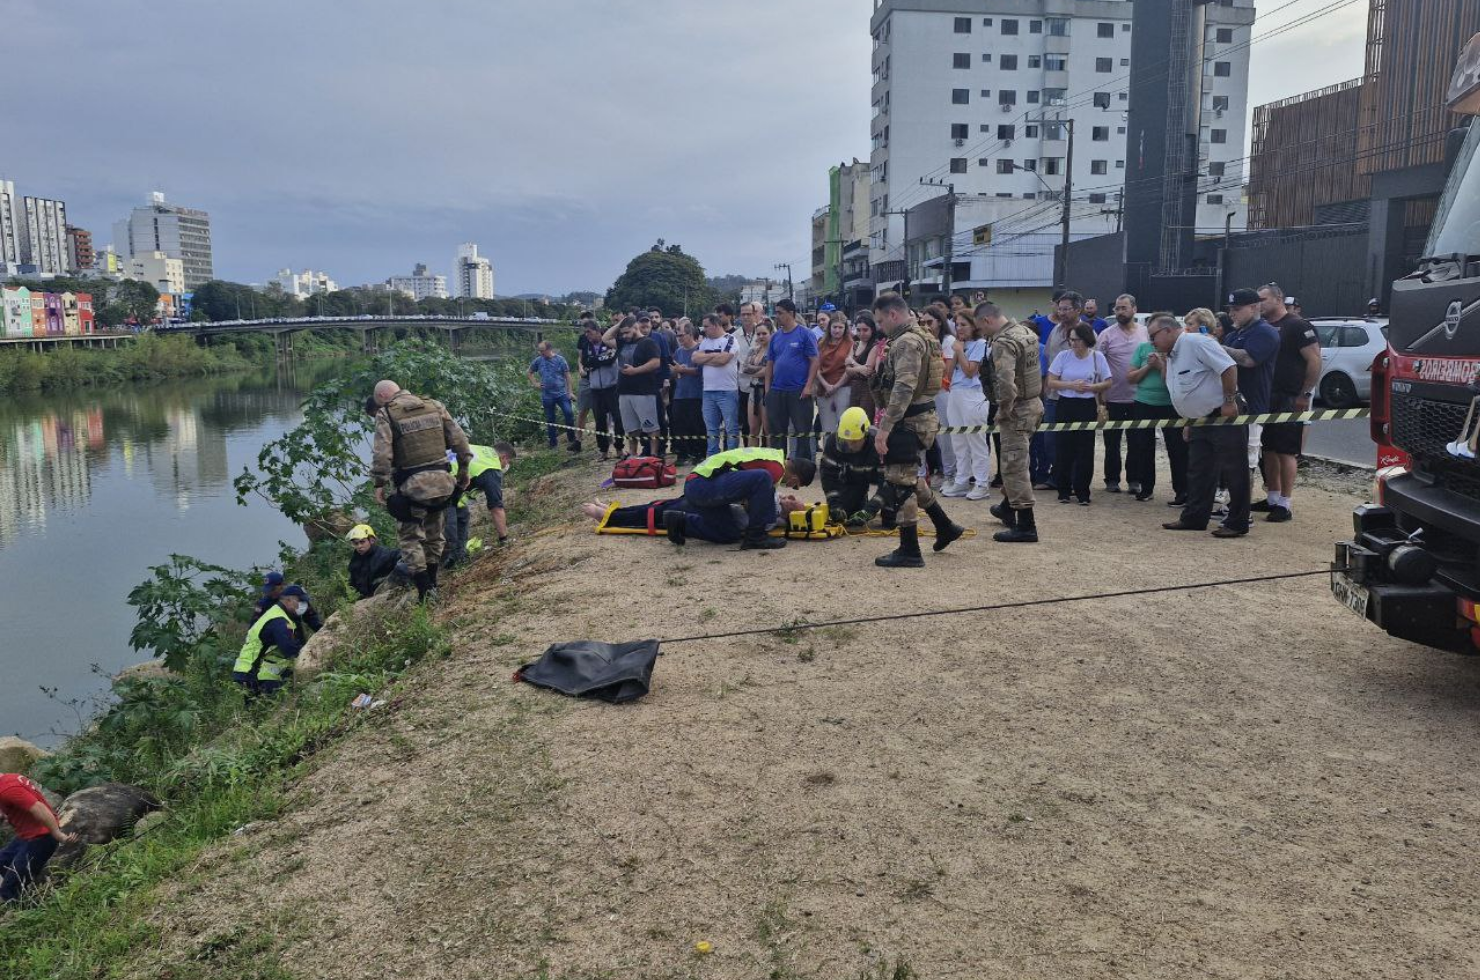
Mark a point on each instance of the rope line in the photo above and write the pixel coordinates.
(1266, 418)
(794, 627)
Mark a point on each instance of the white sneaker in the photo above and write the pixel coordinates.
(979, 493)
(955, 490)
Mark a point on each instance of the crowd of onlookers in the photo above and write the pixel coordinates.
(689, 388)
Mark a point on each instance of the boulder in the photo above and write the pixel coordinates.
(17, 755)
(100, 814)
(149, 670)
(322, 648)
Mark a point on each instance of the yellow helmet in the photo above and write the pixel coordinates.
(853, 425)
(360, 532)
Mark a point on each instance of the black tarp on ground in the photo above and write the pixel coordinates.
(612, 672)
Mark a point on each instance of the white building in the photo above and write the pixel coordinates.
(181, 233)
(763, 291)
(971, 93)
(472, 274)
(12, 224)
(420, 284)
(304, 284)
(44, 235)
(164, 272)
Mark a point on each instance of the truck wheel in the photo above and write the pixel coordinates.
(1338, 391)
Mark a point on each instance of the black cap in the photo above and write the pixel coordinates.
(1243, 297)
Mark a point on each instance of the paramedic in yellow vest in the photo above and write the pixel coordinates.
(905, 387)
(272, 644)
(485, 473)
(412, 437)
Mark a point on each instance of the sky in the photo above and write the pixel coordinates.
(563, 136)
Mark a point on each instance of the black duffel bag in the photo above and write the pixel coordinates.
(612, 672)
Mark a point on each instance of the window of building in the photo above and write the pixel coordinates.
(963, 25)
(1104, 65)
(1056, 62)
(1058, 27)
(1030, 132)
(1003, 194)
(959, 60)
(1008, 62)
(1035, 27)
(1220, 103)
(1222, 69)
(1124, 96)
(1103, 29)
(1125, 28)
(1033, 96)
(1099, 167)
(987, 58)
(1006, 131)
(1217, 168)
(984, 161)
(958, 165)
(1219, 136)
(1119, 130)
(1030, 165)
(1125, 62)
(959, 131)
(986, 22)
(986, 128)
(1035, 61)
(1005, 166)
(1225, 35)
(1100, 134)
(1051, 166)
(1119, 164)
(1102, 100)
(960, 96)
(1009, 26)
(1097, 199)
(1215, 198)
(1030, 196)
(1007, 96)
(986, 93)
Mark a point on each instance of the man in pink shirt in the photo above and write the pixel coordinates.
(1118, 343)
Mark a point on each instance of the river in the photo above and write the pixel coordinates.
(98, 485)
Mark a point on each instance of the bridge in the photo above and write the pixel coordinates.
(370, 328)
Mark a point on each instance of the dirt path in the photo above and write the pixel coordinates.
(1237, 782)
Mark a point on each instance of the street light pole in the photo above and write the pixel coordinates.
(787, 266)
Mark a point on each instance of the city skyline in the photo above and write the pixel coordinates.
(570, 156)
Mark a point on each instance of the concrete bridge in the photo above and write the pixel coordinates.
(370, 328)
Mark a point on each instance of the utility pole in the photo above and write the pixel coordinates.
(787, 266)
(904, 282)
(1063, 276)
(949, 247)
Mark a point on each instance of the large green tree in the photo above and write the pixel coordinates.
(662, 277)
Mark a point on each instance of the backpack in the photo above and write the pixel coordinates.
(644, 473)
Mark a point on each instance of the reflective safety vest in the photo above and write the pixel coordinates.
(485, 458)
(254, 659)
(731, 459)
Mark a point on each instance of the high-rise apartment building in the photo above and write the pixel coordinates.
(44, 235)
(80, 255)
(421, 284)
(10, 226)
(303, 284)
(977, 96)
(179, 232)
(472, 274)
(164, 272)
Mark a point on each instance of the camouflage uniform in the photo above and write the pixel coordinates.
(906, 385)
(1019, 407)
(412, 436)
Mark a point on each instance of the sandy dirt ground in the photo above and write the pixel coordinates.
(1233, 782)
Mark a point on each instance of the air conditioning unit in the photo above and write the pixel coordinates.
(960, 142)
(1007, 107)
(1217, 113)
(1057, 102)
(1006, 143)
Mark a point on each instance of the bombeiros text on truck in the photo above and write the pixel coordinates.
(1413, 565)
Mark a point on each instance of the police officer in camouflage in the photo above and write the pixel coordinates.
(412, 437)
(906, 385)
(1017, 386)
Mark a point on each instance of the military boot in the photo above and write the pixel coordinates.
(946, 530)
(1025, 531)
(423, 583)
(676, 522)
(1002, 510)
(756, 539)
(907, 555)
(432, 572)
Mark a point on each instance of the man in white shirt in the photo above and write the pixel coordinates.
(718, 354)
(1203, 382)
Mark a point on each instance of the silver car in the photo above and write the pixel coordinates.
(1348, 347)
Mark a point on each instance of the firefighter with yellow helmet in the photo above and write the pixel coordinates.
(850, 469)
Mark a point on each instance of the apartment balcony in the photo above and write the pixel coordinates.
(1056, 44)
(1056, 79)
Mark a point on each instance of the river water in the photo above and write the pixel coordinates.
(98, 485)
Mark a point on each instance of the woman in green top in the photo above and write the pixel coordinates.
(1153, 401)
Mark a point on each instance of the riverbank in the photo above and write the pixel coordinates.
(147, 357)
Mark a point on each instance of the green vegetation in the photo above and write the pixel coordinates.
(220, 300)
(663, 277)
(114, 302)
(148, 357)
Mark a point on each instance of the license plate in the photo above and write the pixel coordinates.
(1349, 593)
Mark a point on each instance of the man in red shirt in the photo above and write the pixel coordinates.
(37, 834)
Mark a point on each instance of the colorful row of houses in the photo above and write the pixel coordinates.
(32, 313)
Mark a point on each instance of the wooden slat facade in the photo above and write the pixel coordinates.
(1303, 149)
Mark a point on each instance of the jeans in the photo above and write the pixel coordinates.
(722, 420)
(1041, 448)
(1074, 457)
(969, 407)
(455, 535)
(1140, 456)
(830, 408)
(550, 400)
(785, 408)
(608, 417)
(709, 500)
(686, 415)
(1217, 452)
(21, 864)
(1119, 412)
(944, 450)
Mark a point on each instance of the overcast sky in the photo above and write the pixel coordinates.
(563, 136)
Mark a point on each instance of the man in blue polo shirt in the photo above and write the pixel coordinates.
(1253, 345)
(791, 371)
(550, 373)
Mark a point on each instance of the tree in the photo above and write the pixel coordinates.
(664, 278)
(130, 299)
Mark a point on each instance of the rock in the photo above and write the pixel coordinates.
(335, 524)
(149, 821)
(322, 648)
(17, 755)
(98, 815)
(149, 670)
